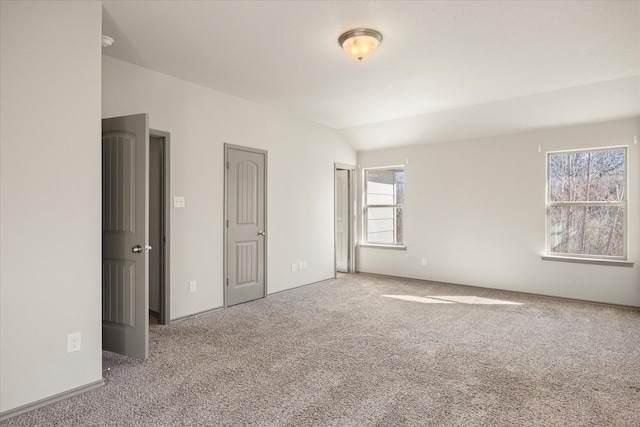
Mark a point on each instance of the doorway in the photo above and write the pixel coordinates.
(344, 222)
(245, 236)
(159, 210)
(135, 163)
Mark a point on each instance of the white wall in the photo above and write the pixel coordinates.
(50, 245)
(563, 107)
(476, 210)
(301, 158)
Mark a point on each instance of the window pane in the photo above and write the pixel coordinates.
(385, 187)
(380, 214)
(587, 176)
(399, 183)
(586, 230)
(384, 225)
(380, 194)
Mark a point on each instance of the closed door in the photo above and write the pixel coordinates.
(125, 235)
(246, 228)
(342, 220)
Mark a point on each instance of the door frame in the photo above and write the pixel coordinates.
(225, 222)
(351, 178)
(165, 288)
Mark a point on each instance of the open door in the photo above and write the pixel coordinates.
(342, 220)
(125, 235)
(344, 224)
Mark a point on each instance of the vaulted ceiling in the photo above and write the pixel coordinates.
(446, 70)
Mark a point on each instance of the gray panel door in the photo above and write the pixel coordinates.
(342, 220)
(125, 235)
(246, 235)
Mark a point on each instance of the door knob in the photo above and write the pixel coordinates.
(147, 248)
(136, 249)
(261, 233)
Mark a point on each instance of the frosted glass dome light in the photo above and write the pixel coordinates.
(360, 43)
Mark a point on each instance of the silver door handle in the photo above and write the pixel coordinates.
(261, 233)
(136, 249)
(147, 248)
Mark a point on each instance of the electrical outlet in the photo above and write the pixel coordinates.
(193, 286)
(293, 267)
(178, 202)
(424, 261)
(74, 342)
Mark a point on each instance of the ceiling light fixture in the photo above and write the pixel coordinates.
(360, 43)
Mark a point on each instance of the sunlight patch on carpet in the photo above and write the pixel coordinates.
(418, 299)
(475, 300)
(452, 299)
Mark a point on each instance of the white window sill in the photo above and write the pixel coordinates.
(595, 261)
(373, 245)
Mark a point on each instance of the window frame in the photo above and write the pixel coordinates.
(365, 208)
(624, 204)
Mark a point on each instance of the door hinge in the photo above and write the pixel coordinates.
(227, 223)
(227, 165)
(227, 282)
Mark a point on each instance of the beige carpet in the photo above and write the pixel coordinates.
(374, 351)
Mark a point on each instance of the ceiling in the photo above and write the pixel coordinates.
(446, 70)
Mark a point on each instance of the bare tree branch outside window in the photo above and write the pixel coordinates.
(586, 206)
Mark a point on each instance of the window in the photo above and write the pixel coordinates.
(587, 204)
(384, 197)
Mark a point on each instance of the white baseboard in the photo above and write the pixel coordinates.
(49, 400)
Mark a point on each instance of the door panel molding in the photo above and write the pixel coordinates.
(118, 295)
(118, 175)
(246, 211)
